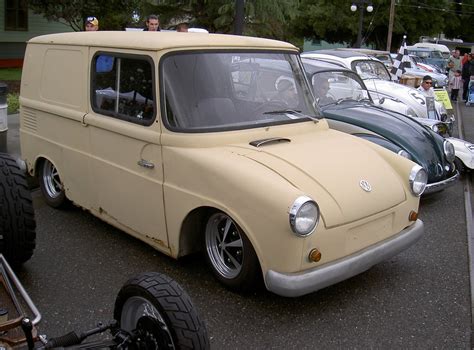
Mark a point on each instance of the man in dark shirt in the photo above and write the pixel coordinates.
(467, 71)
(152, 24)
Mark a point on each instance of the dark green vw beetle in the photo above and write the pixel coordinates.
(346, 104)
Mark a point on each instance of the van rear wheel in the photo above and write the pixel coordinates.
(51, 185)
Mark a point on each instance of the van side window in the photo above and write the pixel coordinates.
(122, 87)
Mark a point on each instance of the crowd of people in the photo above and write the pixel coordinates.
(461, 74)
(152, 24)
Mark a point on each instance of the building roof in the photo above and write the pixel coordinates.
(154, 41)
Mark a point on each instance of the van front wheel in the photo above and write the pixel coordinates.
(230, 254)
(51, 185)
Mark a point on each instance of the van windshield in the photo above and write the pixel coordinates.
(210, 91)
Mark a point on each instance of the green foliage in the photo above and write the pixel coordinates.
(13, 103)
(10, 74)
(333, 21)
(112, 14)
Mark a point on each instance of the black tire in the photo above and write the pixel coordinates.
(17, 216)
(51, 185)
(459, 165)
(232, 260)
(173, 322)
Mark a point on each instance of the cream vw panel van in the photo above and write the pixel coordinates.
(200, 142)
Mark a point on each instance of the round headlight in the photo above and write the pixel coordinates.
(304, 216)
(435, 128)
(418, 179)
(449, 151)
(404, 153)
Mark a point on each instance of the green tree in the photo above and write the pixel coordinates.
(112, 14)
(333, 21)
(265, 18)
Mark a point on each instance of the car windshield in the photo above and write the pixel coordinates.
(370, 69)
(337, 86)
(436, 54)
(385, 58)
(211, 91)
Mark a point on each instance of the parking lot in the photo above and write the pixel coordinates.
(418, 299)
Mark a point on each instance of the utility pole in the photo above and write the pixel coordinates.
(390, 24)
(239, 17)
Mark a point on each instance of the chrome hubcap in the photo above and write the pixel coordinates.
(51, 180)
(224, 245)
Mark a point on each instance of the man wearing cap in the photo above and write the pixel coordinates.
(92, 24)
(152, 24)
(426, 87)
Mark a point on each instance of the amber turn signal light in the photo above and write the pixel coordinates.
(314, 255)
(413, 216)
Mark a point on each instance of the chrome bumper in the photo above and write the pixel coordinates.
(297, 284)
(441, 185)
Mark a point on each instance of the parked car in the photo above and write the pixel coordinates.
(346, 103)
(397, 97)
(445, 52)
(431, 55)
(383, 90)
(421, 63)
(201, 147)
(439, 80)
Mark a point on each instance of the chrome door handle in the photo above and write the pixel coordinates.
(146, 164)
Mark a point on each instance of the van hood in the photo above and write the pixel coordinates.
(329, 167)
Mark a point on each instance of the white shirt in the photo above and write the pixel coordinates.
(426, 93)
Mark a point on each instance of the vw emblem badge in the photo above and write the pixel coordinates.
(365, 185)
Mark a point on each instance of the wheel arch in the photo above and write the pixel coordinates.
(192, 231)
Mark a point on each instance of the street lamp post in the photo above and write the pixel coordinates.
(360, 5)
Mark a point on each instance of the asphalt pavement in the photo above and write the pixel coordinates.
(417, 300)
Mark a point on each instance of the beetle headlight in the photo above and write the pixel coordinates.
(304, 216)
(435, 128)
(418, 179)
(449, 151)
(404, 153)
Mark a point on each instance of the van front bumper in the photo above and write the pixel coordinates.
(297, 284)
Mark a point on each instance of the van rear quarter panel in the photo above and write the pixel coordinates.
(53, 101)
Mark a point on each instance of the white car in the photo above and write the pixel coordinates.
(382, 88)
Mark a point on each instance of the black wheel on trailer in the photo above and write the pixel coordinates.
(155, 307)
(17, 217)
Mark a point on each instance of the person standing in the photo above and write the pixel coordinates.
(467, 71)
(454, 63)
(92, 24)
(182, 28)
(455, 83)
(152, 24)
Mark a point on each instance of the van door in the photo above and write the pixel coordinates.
(125, 145)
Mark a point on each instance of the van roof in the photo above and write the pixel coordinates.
(157, 40)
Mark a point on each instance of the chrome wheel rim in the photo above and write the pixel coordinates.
(51, 180)
(224, 245)
(137, 307)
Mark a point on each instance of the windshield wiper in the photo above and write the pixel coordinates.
(293, 111)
